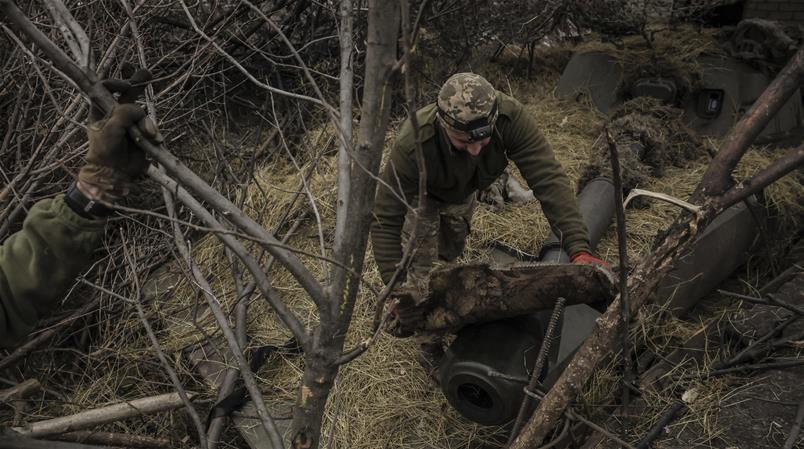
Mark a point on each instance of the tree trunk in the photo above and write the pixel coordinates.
(328, 339)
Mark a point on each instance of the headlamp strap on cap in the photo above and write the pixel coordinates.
(477, 129)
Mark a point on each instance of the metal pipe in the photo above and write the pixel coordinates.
(596, 202)
(724, 246)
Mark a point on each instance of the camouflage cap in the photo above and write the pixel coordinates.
(466, 97)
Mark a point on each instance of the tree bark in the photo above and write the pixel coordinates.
(116, 439)
(466, 294)
(328, 337)
(103, 415)
(28, 443)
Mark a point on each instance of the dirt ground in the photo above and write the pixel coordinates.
(757, 415)
(761, 407)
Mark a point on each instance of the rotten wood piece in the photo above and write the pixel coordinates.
(102, 415)
(465, 294)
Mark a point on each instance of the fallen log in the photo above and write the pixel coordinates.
(474, 293)
(103, 415)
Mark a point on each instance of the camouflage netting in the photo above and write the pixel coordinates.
(684, 73)
(650, 136)
(762, 43)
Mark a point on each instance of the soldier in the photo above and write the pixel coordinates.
(59, 236)
(468, 136)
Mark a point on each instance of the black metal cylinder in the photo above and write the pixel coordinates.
(596, 202)
(468, 379)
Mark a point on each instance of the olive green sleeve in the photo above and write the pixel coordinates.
(534, 158)
(40, 262)
(400, 174)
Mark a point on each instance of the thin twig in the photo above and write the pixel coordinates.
(242, 69)
(572, 414)
(363, 346)
(249, 379)
(755, 367)
(757, 347)
(71, 31)
(104, 101)
(791, 440)
(771, 301)
(174, 378)
(45, 336)
(625, 309)
(285, 314)
(658, 428)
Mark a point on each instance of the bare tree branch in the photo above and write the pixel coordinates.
(676, 241)
(791, 160)
(174, 378)
(263, 283)
(101, 97)
(102, 415)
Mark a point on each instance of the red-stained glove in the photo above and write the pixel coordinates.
(583, 257)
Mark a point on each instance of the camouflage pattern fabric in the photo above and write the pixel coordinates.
(505, 189)
(441, 235)
(496, 194)
(466, 97)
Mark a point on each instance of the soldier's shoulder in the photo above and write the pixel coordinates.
(425, 117)
(508, 106)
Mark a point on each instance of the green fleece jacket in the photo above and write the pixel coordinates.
(454, 175)
(40, 262)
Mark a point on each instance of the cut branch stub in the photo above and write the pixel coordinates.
(466, 294)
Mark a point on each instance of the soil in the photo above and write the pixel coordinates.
(759, 415)
(762, 407)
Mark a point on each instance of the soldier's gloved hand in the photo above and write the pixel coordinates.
(114, 159)
(406, 313)
(584, 257)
